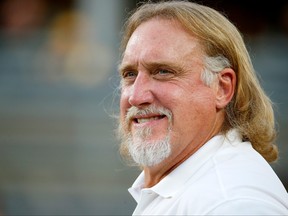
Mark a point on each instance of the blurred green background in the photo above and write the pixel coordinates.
(58, 93)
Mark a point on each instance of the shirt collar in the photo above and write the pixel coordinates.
(171, 184)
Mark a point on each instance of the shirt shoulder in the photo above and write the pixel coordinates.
(236, 180)
(247, 206)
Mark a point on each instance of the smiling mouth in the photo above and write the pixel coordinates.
(148, 119)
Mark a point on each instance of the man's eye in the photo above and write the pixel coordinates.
(164, 72)
(129, 74)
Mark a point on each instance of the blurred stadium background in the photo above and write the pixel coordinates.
(58, 92)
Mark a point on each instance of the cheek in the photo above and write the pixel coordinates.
(124, 99)
(123, 105)
(195, 107)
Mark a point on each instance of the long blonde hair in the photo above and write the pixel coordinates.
(250, 110)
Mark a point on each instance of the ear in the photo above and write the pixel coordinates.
(225, 88)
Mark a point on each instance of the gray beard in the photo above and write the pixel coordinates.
(143, 152)
(146, 153)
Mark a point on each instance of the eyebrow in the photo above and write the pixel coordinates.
(127, 67)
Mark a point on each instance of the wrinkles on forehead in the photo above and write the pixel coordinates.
(160, 42)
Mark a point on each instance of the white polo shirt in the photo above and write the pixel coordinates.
(224, 177)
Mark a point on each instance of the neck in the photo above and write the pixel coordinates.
(155, 174)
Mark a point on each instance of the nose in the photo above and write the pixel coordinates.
(141, 91)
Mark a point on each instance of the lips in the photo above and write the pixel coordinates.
(147, 116)
(144, 119)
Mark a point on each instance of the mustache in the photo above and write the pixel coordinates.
(133, 111)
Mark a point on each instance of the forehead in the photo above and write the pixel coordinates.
(161, 39)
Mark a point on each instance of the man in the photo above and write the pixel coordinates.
(194, 117)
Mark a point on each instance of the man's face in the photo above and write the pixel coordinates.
(166, 111)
